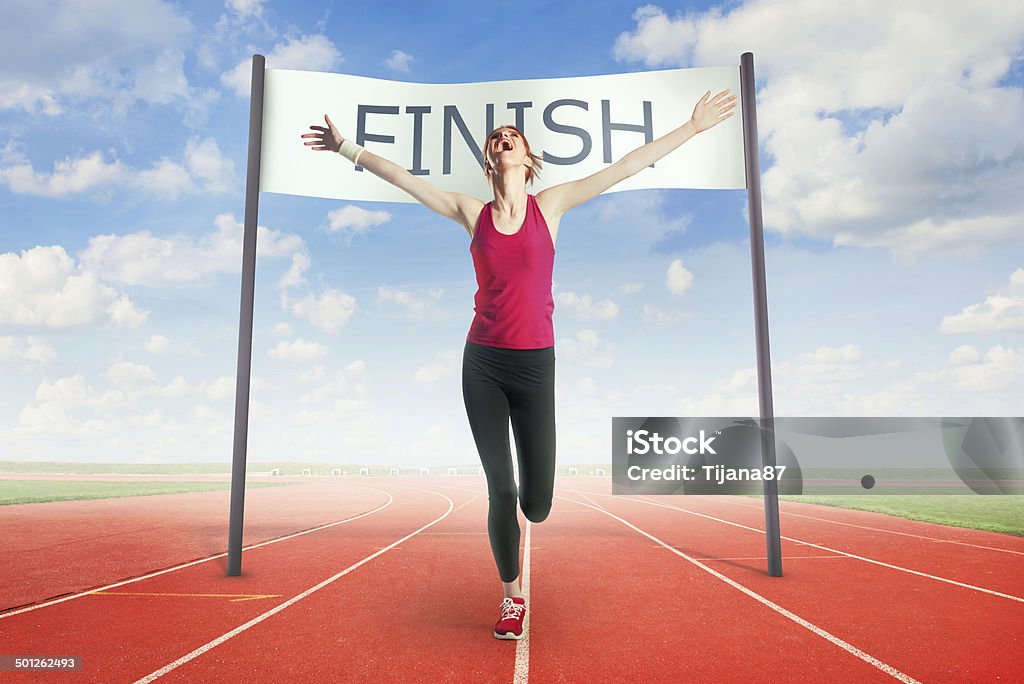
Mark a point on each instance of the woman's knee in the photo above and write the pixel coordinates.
(536, 510)
(503, 497)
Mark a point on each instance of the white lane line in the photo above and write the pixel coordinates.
(764, 558)
(879, 529)
(201, 560)
(522, 672)
(849, 648)
(295, 599)
(831, 550)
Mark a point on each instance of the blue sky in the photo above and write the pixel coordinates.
(891, 174)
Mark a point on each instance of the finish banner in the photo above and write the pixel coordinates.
(577, 126)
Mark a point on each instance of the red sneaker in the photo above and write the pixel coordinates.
(513, 612)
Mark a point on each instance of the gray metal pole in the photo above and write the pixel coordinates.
(252, 201)
(764, 364)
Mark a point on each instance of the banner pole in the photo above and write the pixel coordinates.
(764, 364)
(252, 199)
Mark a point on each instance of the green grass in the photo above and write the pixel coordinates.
(995, 513)
(40, 491)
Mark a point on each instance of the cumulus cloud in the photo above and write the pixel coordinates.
(297, 350)
(26, 350)
(999, 312)
(145, 259)
(963, 355)
(330, 311)
(652, 314)
(678, 279)
(128, 373)
(854, 159)
(203, 169)
(584, 309)
(157, 344)
(310, 53)
(1001, 368)
(445, 365)
(588, 347)
(43, 286)
(399, 61)
(408, 300)
(351, 220)
(246, 8)
(113, 54)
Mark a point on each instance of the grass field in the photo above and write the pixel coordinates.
(40, 491)
(995, 513)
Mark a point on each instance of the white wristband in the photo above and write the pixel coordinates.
(350, 150)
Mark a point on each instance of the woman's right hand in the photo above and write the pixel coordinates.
(326, 139)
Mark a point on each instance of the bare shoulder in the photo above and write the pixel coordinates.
(469, 211)
(551, 211)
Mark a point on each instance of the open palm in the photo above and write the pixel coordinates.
(707, 114)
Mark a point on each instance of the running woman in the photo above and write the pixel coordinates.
(508, 364)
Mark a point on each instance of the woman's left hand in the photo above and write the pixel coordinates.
(708, 114)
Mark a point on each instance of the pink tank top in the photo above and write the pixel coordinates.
(513, 275)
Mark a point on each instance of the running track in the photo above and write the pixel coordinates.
(391, 579)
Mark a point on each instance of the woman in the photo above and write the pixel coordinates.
(509, 361)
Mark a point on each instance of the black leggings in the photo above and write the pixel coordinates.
(499, 384)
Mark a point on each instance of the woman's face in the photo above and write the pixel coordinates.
(506, 148)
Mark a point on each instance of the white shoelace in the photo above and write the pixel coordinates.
(510, 608)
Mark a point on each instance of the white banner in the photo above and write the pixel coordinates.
(577, 125)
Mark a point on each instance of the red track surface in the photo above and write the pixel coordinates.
(607, 602)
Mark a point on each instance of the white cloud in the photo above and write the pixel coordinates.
(246, 8)
(399, 61)
(584, 309)
(678, 279)
(31, 98)
(997, 313)
(28, 350)
(43, 286)
(282, 329)
(963, 355)
(157, 344)
(409, 300)
(128, 373)
(445, 366)
(203, 169)
(309, 53)
(214, 171)
(652, 314)
(293, 276)
(631, 288)
(112, 54)
(352, 220)
(299, 350)
(145, 259)
(316, 375)
(1001, 369)
(329, 312)
(588, 347)
(854, 158)
(123, 312)
(221, 388)
(70, 176)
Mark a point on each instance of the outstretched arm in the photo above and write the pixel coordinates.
(706, 114)
(460, 208)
